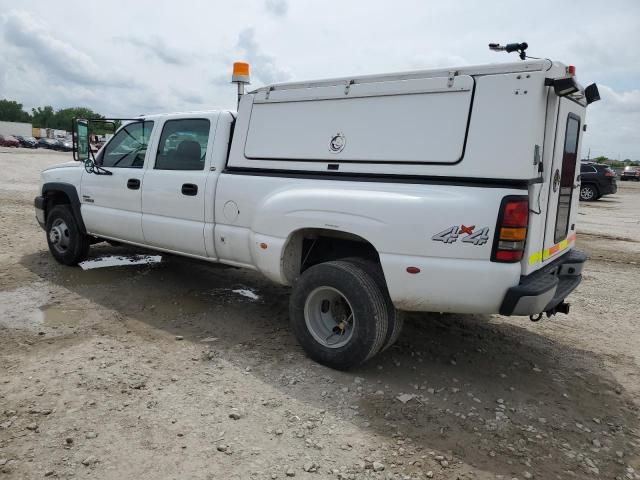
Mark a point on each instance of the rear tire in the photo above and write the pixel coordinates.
(338, 313)
(395, 316)
(588, 192)
(67, 243)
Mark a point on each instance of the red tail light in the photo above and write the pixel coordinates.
(609, 173)
(511, 230)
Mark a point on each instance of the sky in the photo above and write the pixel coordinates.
(126, 58)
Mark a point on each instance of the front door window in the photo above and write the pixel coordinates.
(129, 146)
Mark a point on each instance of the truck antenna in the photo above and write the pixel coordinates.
(511, 47)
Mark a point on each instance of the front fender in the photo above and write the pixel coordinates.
(70, 191)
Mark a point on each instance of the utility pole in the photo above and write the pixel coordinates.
(589, 154)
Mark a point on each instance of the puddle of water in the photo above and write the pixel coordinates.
(26, 308)
(245, 292)
(119, 260)
(230, 295)
(54, 316)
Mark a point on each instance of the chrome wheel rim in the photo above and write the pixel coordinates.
(59, 235)
(587, 193)
(329, 317)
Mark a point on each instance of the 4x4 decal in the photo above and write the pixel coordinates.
(452, 234)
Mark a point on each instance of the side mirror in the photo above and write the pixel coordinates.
(591, 93)
(81, 151)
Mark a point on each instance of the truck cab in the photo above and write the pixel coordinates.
(449, 190)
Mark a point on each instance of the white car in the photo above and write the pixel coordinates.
(451, 190)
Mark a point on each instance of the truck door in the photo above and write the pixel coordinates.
(173, 194)
(563, 188)
(111, 204)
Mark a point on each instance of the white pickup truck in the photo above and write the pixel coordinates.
(451, 190)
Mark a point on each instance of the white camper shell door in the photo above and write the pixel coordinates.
(401, 121)
(564, 188)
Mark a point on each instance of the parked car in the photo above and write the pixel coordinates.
(9, 141)
(596, 180)
(64, 145)
(47, 143)
(27, 142)
(631, 173)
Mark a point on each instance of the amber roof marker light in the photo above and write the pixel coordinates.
(241, 77)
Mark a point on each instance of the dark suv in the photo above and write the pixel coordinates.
(596, 180)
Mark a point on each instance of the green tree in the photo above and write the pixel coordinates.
(63, 118)
(47, 117)
(43, 117)
(600, 159)
(11, 111)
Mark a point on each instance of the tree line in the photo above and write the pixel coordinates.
(616, 163)
(43, 117)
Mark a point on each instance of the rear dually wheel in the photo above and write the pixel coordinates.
(338, 313)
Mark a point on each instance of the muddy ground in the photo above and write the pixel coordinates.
(163, 372)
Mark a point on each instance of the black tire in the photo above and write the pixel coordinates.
(365, 300)
(67, 243)
(395, 316)
(589, 192)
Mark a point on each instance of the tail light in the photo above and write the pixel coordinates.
(511, 230)
(609, 173)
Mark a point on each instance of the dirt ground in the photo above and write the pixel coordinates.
(164, 372)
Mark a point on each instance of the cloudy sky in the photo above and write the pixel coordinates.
(124, 58)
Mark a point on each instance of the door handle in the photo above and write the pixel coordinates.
(133, 184)
(189, 189)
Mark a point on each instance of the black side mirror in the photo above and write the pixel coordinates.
(591, 93)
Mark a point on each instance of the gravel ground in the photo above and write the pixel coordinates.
(164, 371)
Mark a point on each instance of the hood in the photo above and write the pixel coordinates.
(72, 163)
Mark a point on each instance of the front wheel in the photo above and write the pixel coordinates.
(67, 243)
(588, 193)
(338, 314)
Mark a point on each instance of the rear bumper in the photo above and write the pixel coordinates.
(38, 203)
(610, 189)
(546, 288)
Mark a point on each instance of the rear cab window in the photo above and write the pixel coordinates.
(183, 144)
